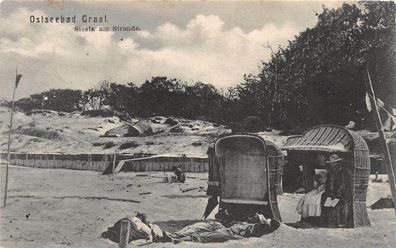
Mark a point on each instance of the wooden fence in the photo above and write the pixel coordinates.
(102, 162)
(93, 162)
(161, 163)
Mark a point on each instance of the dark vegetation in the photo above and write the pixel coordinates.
(108, 145)
(317, 78)
(105, 145)
(127, 145)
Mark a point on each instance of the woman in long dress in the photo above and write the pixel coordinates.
(309, 206)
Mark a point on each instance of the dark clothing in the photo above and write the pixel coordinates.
(311, 221)
(229, 212)
(339, 186)
(214, 232)
(113, 232)
(181, 177)
(338, 215)
(205, 232)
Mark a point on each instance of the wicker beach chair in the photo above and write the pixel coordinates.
(241, 177)
(335, 139)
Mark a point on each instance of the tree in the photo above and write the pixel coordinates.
(66, 100)
(125, 98)
(378, 27)
(318, 77)
(162, 96)
(203, 101)
(98, 97)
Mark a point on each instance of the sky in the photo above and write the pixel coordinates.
(210, 42)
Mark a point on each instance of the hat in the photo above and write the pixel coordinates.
(142, 216)
(334, 158)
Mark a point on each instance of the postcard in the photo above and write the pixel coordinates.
(184, 123)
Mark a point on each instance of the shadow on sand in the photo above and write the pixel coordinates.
(176, 225)
(185, 196)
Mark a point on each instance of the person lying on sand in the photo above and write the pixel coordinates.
(205, 232)
(140, 228)
(214, 232)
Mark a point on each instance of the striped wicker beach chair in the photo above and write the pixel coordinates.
(335, 139)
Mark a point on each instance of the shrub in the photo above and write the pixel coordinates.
(109, 144)
(131, 144)
(197, 143)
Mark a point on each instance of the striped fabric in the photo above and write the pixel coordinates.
(322, 138)
(332, 138)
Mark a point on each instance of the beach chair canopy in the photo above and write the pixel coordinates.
(326, 138)
(335, 139)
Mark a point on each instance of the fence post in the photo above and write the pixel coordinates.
(114, 161)
(124, 234)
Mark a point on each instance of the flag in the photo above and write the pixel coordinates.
(390, 121)
(393, 119)
(18, 78)
(368, 102)
(387, 125)
(380, 103)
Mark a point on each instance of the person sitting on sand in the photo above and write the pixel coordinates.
(205, 232)
(177, 176)
(180, 175)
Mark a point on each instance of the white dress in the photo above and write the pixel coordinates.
(309, 204)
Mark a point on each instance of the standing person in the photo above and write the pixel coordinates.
(339, 191)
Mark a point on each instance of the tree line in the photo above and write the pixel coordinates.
(317, 78)
(158, 96)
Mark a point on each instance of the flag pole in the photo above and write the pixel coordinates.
(9, 137)
(385, 148)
